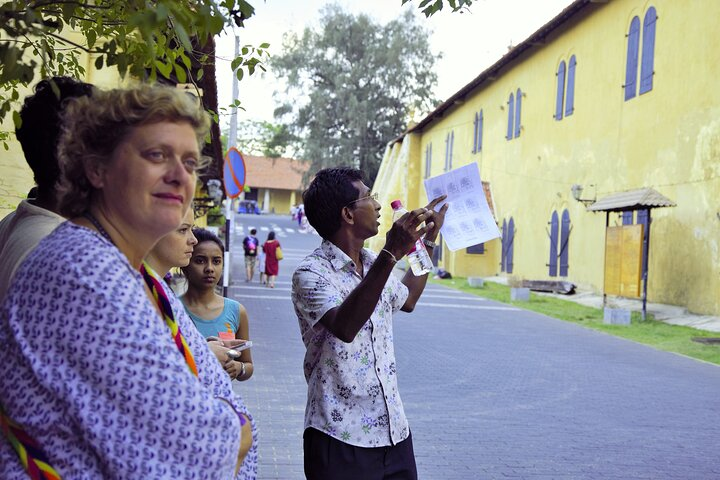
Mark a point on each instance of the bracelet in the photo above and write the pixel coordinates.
(429, 243)
(242, 370)
(389, 253)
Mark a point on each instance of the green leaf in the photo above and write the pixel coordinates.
(200, 74)
(264, 46)
(165, 69)
(17, 121)
(239, 74)
(90, 37)
(236, 63)
(180, 74)
(68, 10)
(183, 37)
(186, 60)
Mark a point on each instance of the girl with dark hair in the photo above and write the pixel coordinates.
(217, 316)
(272, 266)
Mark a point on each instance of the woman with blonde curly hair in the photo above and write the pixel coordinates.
(101, 376)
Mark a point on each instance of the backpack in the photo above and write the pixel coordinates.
(250, 245)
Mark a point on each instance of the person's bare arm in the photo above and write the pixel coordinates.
(346, 320)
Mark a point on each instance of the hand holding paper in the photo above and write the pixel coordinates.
(468, 220)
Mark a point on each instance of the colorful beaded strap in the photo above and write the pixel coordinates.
(154, 284)
(31, 455)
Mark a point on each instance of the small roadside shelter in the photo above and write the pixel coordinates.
(643, 200)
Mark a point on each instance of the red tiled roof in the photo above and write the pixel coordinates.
(278, 173)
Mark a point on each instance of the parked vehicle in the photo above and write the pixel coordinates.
(249, 206)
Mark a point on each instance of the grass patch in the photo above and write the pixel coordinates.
(663, 336)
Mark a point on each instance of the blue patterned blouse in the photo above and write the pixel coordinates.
(91, 371)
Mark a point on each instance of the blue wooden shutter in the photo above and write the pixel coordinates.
(560, 91)
(452, 144)
(554, 227)
(511, 116)
(564, 243)
(503, 250)
(511, 241)
(475, 132)
(570, 95)
(518, 104)
(476, 249)
(648, 51)
(631, 67)
(447, 150)
(480, 132)
(627, 218)
(428, 159)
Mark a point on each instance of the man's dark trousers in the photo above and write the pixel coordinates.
(327, 458)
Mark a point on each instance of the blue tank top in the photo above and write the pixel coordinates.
(227, 321)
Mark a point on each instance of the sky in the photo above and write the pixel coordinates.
(469, 42)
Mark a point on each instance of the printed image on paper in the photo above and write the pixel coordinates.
(468, 220)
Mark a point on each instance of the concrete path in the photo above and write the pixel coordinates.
(672, 314)
(494, 392)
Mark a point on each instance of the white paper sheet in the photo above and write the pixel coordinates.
(468, 220)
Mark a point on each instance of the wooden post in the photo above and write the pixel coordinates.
(646, 262)
(607, 224)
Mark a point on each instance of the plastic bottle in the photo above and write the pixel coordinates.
(418, 258)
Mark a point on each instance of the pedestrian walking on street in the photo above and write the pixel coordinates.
(250, 245)
(133, 387)
(272, 262)
(345, 297)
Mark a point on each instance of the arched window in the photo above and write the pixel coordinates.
(518, 108)
(560, 91)
(631, 66)
(564, 243)
(570, 95)
(554, 231)
(511, 116)
(648, 51)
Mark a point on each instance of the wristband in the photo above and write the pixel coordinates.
(389, 253)
(428, 243)
(242, 370)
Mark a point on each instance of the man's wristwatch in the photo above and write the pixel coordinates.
(428, 243)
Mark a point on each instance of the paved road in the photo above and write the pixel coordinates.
(493, 392)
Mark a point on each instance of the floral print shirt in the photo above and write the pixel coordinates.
(352, 387)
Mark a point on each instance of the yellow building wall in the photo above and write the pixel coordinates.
(280, 201)
(667, 139)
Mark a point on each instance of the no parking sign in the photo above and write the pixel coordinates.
(233, 173)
